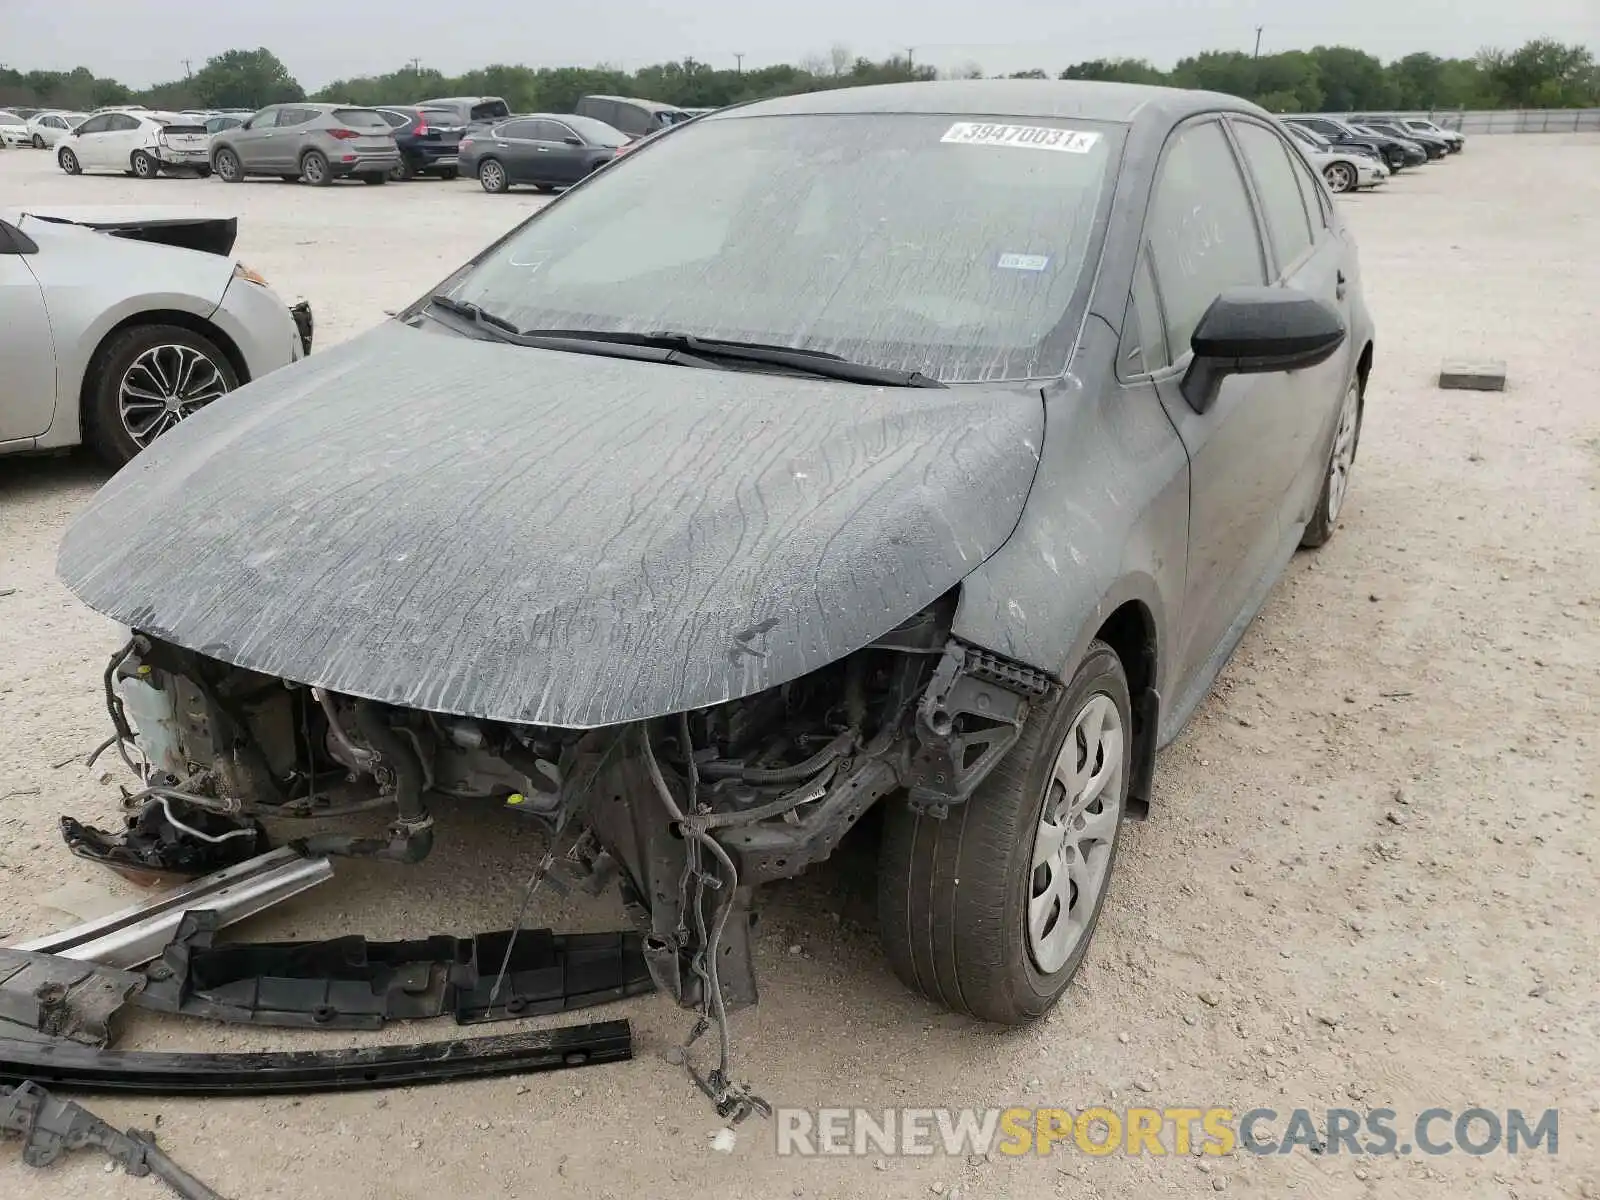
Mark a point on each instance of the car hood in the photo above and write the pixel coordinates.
(191, 229)
(535, 536)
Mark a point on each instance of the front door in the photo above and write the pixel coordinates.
(254, 141)
(1202, 238)
(92, 147)
(27, 351)
(559, 161)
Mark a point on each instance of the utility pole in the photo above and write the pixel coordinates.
(738, 60)
(1258, 41)
(416, 66)
(187, 73)
(910, 50)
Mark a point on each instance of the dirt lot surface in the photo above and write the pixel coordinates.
(1370, 879)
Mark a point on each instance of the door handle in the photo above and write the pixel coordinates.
(1340, 286)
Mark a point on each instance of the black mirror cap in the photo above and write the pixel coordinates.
(1257, 330)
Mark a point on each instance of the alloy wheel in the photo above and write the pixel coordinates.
(164, 385)
(1077, 827)
(1344, 452)
(493, 177)
(1338, 177)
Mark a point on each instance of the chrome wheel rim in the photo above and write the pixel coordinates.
(226, 165)
(1077, 826)
(1344, 453)
(313, 169)
(164, 385)
(69, 160)
(1339, 177)
(142, 166)
(493, 177)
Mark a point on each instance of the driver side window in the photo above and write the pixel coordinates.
(1201, 230)
(267, 118)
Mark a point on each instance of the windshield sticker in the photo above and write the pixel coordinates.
(1023, 262)
(1021, 137)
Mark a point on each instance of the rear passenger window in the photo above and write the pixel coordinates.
(1287, 222)
(1201, 230)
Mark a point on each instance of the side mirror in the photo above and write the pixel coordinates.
(1255, 331)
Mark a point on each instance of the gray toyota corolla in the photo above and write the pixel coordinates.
(925, 446)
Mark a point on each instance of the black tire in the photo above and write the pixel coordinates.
(314, 166)
(290, 178)
(375, 180)
(492, 177)
(544, 189)
(1330, 501)
(403, 171)
(144, 166)
(953, 892)
(103, 426)
(68, 162)
(227, 166)
(38, 142)
(449, 173)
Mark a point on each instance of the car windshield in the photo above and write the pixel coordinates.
(906, 241)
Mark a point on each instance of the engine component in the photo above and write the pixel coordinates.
(168, 841)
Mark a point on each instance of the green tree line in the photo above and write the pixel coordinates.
(1541, 74)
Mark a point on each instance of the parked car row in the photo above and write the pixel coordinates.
(1358, 151)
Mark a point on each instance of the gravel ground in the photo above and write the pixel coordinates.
(1369, 879)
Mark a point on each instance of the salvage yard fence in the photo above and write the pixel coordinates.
(1510, 120)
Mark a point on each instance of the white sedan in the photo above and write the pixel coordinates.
(117, 324)
(1345, 172)
(46, 129)
(13, 129)
(136, 143)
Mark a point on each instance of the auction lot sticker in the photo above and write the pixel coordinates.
(1021, 137)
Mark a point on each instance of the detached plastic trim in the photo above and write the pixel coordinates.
(67, 1067)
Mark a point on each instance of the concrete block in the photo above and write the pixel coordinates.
(1474, 376)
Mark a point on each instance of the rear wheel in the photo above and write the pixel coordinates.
(374, 180)
(38, 142)
(226, 164)
(492, 176)
(449, 173)
(68, 161)
(990, 910)
(314, 166)
(145, 380)
(1340, 177)
(144, 166)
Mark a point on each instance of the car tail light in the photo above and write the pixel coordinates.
(344, 135)
(465, 142)
(422, 129)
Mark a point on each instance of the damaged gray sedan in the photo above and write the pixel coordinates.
(928, 446)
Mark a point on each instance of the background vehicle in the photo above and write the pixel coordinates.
(471, 112)
(1456, 140)
(546, 150)
(14, 129)
(221, 121)
(1345, 168)
(1396, 155)
(46, 129)
(428, 139)
(636, 118)
(991, 627)
(143, 143)
(111, 335)
(317, 142)
(1435, 147)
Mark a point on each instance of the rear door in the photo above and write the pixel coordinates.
(27, 351)
(1309, 257)
(188, 138)
(514, 144)
(125, 134)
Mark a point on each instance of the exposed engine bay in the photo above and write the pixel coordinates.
(689, 812)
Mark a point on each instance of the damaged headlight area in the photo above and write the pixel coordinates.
(690, 812)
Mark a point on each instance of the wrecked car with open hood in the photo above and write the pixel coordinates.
(929, 445)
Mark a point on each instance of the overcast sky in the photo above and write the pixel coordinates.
(321, 41)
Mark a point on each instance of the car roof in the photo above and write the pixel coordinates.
(652, 105)
(1084, 99)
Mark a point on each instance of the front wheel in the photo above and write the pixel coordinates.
(448, 174)
(145, 380)
(68, 162)
(1340, 177)
(402, 170)
(492, 176)
(1336, 483)
(990, 910)
(226, 165)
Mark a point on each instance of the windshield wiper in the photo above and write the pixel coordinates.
(471, 312)
(808, 362)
